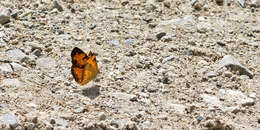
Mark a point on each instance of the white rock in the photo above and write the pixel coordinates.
(6, 67)
(46, 63)
(12, 82)
(15, 53)
(230, 61)
(235, 96)
(211, 100)
(17, 67)
(123, 96)
(178, 108)
(9, 120)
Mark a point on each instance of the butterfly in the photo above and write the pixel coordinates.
(84, 67)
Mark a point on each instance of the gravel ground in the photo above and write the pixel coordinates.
(164, 64)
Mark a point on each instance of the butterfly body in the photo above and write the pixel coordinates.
(84, 67)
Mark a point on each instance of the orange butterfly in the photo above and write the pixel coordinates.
(84, 67)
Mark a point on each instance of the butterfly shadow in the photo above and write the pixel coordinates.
(91, 92)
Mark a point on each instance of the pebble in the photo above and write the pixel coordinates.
(256, 29)
(221, 43)
(12, 83)
(17, 67)
(114, 42)
(79, 110)
(165, 80)
(186, 52)
(170, 58)
(236, 96)
(255, 3)
(6, 68)
(203, 27)
(211, 100)
(129, 41)
(46, 63)
(9, 120)
(123, 96)
(160, 35)
(210, 74)
(254, 44)
(177, 108)
(67, 116)
(228, 74)
(15, 53)
(152, 89)
(101, 116)
(57, 6)
(242, 3)
(4, 16)
(220, 2)
(230, 61)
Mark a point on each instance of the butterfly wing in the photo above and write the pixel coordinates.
(84, 67)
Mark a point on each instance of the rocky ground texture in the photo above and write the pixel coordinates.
(164, 64)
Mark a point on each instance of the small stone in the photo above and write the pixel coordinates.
(186, 52)
(162, 117)
(256, 29)
(12, 82)
(151, 89)
(6, 67)
(203, 27)
(210, 74)
(258, 120)
(211, 100)
(79, 110)
(67, 116)
(46, 63)
(17, 67)
(231, 62)
(37, 52)
(242, 3)
(124, 96)
(4, 15)
(199, 118)
(114, 42)
(160, 35)
(57, 6)
(228, 74)
(169, 58)
(243, 77)
(16, 53)
(220, 2)
(9, 120)
(165, 80)
(255, 3)
(254, 44)
(197, 6)
(102, 116)
(129, 41)
(177, 108)
(193, 2)
(221, 43)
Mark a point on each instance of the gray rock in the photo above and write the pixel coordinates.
(129, 41)
(160, 35)
(46, 63)
(152, 89)
(67, 116)
(9, 120)
(15, 53)
(188, 19)
(220, 2)
(193, 2)
(6, 67)
(114, 42)
(230, 62)
(242, 3)
(228, 74)
(221, 43)
(101, 116)
(203, 27)
(4, 15)
(17, 67)
(57, 6)
(12, 82)
(170, 58)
